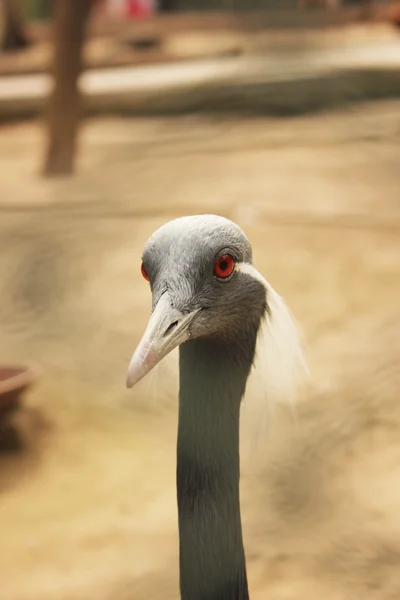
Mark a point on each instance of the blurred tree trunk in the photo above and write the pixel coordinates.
(12, 35)
(71, 18)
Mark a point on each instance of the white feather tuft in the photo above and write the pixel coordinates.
(279, 368)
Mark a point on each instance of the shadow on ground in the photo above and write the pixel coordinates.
(300, 96)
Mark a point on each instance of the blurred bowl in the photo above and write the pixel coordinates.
(14, 381)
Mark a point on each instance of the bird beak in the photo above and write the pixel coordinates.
(167, 328)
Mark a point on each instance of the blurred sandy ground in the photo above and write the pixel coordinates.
(87, 505)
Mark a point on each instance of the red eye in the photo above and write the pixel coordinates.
(224, 266)
(144, 273)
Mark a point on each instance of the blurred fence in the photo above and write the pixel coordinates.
(236, 4)
(39, 9)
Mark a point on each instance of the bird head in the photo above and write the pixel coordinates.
(203, 285)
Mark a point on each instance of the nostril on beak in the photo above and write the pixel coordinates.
(170, 328)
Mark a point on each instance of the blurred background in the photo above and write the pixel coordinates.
(115, 117)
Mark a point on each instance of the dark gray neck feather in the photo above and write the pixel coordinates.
(213, 378)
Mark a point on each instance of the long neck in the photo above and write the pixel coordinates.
(212, 383)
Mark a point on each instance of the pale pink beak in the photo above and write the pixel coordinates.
(167, 328)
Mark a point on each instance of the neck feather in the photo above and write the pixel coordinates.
(213, 378)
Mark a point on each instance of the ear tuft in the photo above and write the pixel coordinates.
(279, 369)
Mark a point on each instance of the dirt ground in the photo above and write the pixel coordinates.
(87, 502)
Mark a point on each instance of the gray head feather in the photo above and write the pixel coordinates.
(180, 258)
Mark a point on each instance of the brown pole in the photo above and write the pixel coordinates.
(14, 35)
(64, 111)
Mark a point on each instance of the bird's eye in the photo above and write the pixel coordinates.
(144, 272)
(224, 266)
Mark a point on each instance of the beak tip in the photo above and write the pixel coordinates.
(130, 382)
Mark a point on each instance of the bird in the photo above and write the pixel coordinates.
(212, 306)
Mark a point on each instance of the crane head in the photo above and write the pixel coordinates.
(203, 284)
